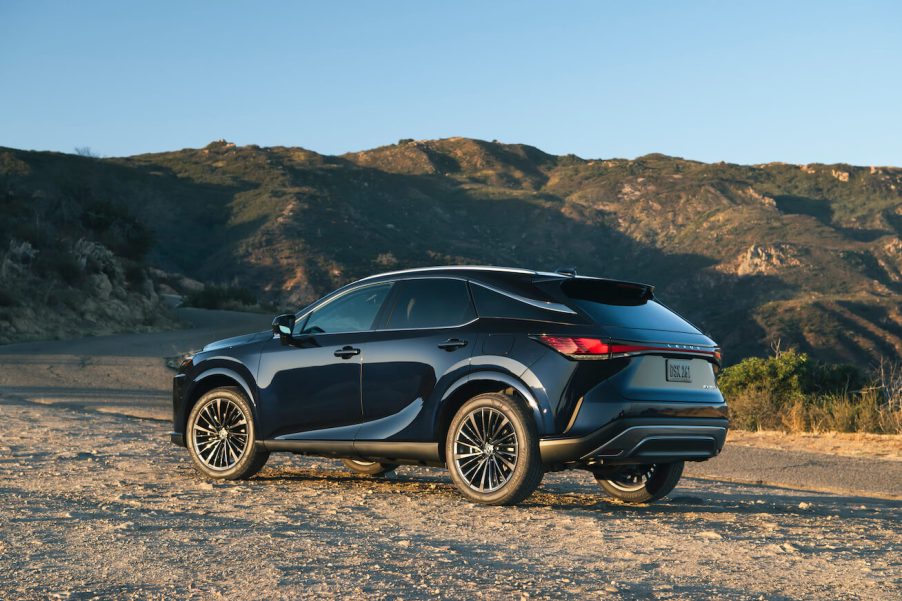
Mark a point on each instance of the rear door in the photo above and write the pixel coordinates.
(425, 343)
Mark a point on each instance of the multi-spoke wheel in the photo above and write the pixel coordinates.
(221, 436)
(485, 449)
(641, 483)
(369, 468)
(492, 450)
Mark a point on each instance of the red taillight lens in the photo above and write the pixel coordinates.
(576, 346)
(593, 347)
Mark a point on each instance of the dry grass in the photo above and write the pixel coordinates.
(864, 411)
(791, 393)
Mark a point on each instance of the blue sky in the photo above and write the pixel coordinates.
(737, 81)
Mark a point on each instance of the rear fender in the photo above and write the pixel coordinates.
(538, 404)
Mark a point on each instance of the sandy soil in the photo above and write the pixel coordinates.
(96, 503)
(880, 446)
(103, 506)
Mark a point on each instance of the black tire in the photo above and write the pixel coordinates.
(232, 455)
(642, 483)
(369, 468)
(509, 451)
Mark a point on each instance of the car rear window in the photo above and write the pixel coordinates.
(624, 305)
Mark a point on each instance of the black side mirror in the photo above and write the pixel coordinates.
(283, 325)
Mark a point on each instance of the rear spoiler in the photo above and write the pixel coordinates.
(605, 290)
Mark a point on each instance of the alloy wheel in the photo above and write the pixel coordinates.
(220, 434)
(485, 449)
(633, 478)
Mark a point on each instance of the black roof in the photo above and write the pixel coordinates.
(512, 278)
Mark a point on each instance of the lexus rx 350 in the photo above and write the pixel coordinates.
(499, 374)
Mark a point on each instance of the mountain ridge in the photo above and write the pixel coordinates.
(810, 254)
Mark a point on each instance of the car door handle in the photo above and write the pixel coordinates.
(452, 344)
(347, 352)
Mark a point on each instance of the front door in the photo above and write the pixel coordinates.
(311, 388)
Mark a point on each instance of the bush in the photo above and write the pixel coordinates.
(7, 299)
(781, 378)
(221, 297)
(117, 229)
(791, 392)
(52, 263)
(135, 275)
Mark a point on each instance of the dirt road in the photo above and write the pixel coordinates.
(97, 503)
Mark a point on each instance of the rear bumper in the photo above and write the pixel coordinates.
(639, 440)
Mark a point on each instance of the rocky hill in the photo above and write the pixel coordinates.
(809, 254)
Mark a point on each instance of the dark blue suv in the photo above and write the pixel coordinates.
(498, 374)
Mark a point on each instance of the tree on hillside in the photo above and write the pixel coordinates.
(85, 151)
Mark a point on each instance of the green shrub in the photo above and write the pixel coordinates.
(58, 264)
(7, 298)
(782, 378)
(791, 392)
(134, 275)
(117, 229)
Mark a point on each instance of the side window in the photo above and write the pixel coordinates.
(353, 312)
(431, 303)
(493, 304)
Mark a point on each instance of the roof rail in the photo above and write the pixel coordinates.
(568, 271)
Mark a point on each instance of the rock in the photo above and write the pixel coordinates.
(710, 535)
(766, 259)
(101, 285)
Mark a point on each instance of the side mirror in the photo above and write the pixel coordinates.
(283, 325)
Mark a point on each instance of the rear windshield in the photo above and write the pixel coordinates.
(623, 305)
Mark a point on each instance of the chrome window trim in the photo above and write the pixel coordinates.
(454, 327)
(546, 305)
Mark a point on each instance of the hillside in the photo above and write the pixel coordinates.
(71, 262)
(808, 254)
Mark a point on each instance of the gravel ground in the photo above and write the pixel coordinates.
(101, 505)
(97, 504)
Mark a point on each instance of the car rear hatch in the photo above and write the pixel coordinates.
(670, 359)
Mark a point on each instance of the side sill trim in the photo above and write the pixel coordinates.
(416, 451)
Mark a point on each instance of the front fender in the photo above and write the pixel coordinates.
(206, 378)
(232, 374)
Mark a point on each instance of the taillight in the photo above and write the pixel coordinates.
(576, 346)
(595, 348)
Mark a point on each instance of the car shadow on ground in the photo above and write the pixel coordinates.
(566, 492)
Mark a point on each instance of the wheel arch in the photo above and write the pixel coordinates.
(477, 383)
(211, 379)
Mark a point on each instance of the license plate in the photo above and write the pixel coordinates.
(678, 371)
